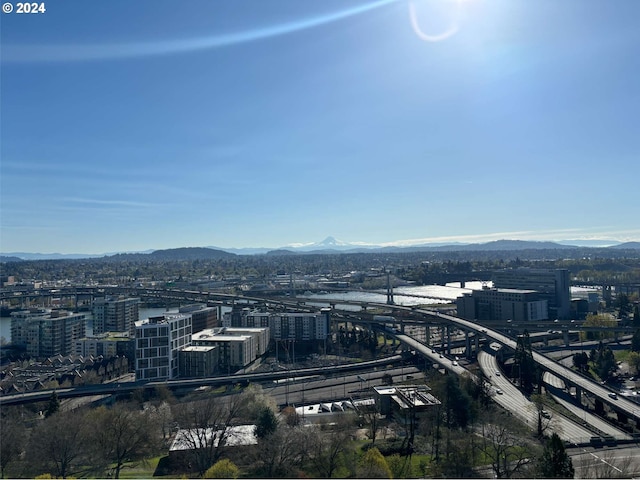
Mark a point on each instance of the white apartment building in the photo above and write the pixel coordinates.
(158, 340)
(236, 347)
(261, 337)
(46, 333)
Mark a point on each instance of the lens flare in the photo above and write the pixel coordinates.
(449, 32)
(77, 53)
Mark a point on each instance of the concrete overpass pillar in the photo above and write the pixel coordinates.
(579, 395)
(448, 339)
(477, 343)
(467, 350)
(565, 337)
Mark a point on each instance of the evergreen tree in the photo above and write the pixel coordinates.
(635, 341)
(266, 424)
(524, 363)
(554, 462)
(53, 406)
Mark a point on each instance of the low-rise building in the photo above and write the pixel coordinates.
(198, 361)
(236, 348)
(109, 344)
(404, 403)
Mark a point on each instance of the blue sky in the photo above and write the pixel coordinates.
(261, 123)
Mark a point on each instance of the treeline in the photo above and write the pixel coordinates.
(464, 436)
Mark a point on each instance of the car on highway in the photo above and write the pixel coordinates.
(497, 373)
(498, 391)
(454, 363)
(545, 414)
(613, 395)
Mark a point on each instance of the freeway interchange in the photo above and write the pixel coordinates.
(565, 375)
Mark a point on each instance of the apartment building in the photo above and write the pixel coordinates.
(108, 345)
(115, 314)
(45, 333)
(298, 326)
(235, 348)
(158, 341)
(202, 317)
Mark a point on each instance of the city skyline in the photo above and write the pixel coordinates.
(150, 125)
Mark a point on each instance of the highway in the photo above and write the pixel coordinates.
(631, 409)
(590, 419)
(514, 401)
(129, 387)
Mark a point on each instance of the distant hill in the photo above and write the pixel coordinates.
(329, 246)
(511, 245)
(189, 253)
(627, 245)
(6, 259)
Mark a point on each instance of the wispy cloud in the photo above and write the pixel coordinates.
(596, 233)
(74, 53)
(117, 203)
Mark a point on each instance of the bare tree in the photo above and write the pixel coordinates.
(329, 445)
(162, 417)
(543, 418)
(371, 417)
(508, 453)
(57, 445)
(206, 427)
(13, 437)
(282, 452)
(120, 435)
